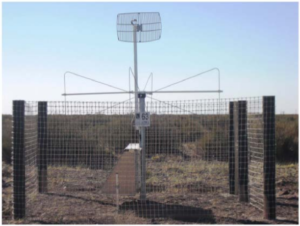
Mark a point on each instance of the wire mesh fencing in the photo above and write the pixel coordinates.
(31, 150)
(256, 157)
(84, 157)
(85, 140)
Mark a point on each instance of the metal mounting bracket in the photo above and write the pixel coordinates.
(141, 95)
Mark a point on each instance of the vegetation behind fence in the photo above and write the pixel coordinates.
(286, 136)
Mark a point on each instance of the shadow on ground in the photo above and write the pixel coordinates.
(151, 209)
(80, 198)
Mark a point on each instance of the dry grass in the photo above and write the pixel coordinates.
(287, 173)
(177, 175)
(6, 191)
(287, 179)
(193, 181)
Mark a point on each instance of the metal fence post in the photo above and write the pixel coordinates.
(137, 169)
(42, 146)
(243, 151)
(236, 147)
(117, 192)
(231, 150)
(269, 157)
(142, 97)
(18, 155)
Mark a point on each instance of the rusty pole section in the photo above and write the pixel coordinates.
(243, 151)
(42, 145)
(18, 159)
(269, 157)
(231, 150)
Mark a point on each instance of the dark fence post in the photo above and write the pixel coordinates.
(18, 160)
(243, 151)
(42, 145)
(269, 157)
(236, 146)
(231, 149)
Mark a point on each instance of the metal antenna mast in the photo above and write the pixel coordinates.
(145, 27)
(137, 28)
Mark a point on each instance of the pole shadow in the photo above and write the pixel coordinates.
(151, 209)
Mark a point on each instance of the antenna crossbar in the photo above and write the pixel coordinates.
(146, 92)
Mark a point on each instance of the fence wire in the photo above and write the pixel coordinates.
(31, 151)
(256, 157)
(72, 170)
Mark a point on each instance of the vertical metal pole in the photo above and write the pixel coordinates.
(236, 146)
(219, 86)
(243, 151)
(231, 150)
(42, 145)
(269, 157)
(117, 191)
(143, 149)
(65, 90)
(137, 161)
(18, 160)
(135, 68)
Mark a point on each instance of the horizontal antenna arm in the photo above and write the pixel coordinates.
(93, 80)
(190, 78)
(146, 92)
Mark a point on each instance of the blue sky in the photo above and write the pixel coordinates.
(255, 46)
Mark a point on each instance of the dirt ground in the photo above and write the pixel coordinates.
(70, 202)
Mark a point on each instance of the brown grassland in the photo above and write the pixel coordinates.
(175, 196)
(178, 191)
